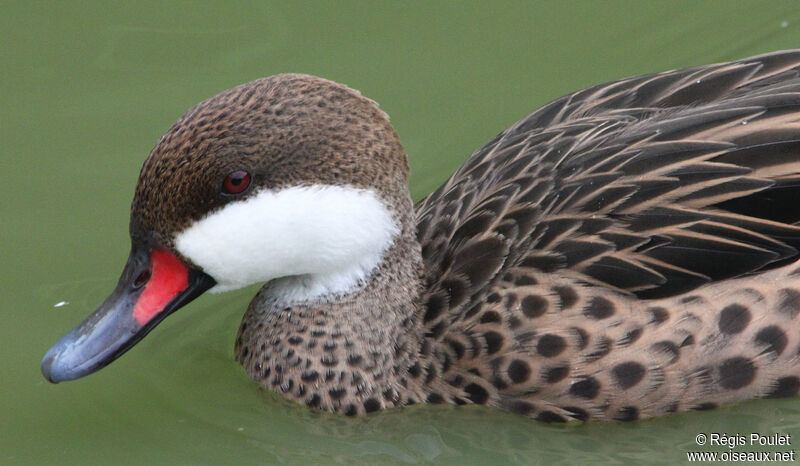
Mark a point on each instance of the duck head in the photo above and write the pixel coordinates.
(291, 179)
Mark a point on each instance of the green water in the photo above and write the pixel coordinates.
(87, 90)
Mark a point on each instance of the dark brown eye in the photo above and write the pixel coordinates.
(236, 182)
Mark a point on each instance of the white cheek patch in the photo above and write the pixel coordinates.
(327, 238)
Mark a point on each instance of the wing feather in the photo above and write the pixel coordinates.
(651, 185)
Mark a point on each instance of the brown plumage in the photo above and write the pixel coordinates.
(626, 251)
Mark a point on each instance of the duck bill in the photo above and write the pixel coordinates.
(154, 284)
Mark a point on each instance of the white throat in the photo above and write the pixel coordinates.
(313, 241)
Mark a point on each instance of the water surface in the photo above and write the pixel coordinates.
(87, 91)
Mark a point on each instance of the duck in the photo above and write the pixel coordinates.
(624, 252)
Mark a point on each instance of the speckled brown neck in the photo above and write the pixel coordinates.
(348, 354)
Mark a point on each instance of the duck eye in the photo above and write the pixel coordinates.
(236, 182)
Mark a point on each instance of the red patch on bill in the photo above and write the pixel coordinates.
(170, 277)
